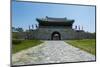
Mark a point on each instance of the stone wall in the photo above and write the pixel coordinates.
(65, 34)
(46, 34)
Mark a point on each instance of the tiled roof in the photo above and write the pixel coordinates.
(51, 19)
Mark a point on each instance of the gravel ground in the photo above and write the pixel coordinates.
(51, 52)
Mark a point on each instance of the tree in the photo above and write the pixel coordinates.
(19, 29)
(13, 29)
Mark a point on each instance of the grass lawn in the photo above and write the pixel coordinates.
(24, 45)
(88, 45)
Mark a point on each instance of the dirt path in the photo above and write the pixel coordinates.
(51, 52)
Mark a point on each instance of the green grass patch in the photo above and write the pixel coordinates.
(23, 44)
(88, 45)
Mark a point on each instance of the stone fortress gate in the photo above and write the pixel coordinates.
(57, 29)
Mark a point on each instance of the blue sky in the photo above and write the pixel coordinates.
(25, 14)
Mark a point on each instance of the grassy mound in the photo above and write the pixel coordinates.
(88, 45)
(18, 45)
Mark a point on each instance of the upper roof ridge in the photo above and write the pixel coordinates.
(53, 18)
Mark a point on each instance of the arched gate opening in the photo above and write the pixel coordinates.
(55, 36)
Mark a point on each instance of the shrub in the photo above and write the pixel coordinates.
(16, 41)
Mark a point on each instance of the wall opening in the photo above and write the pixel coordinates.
(55, 36)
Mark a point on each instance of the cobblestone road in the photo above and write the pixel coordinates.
(51, 52)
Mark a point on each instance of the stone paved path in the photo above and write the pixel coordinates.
(51, 52)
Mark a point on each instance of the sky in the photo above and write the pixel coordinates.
(25, 14)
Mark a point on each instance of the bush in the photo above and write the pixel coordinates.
(16, 41)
